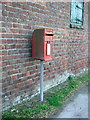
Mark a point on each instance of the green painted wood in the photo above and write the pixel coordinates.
(77, 12)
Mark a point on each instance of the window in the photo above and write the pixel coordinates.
(77, 11)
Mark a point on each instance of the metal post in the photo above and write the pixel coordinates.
(41, 80)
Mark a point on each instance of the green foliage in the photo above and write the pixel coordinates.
(64, 91)
(42, 106)
(61, 97)
(10, 116)
(27, 112)
(72, 84)
(7, 115)
(71, 77)
(16, 116)
(83, 78)
(55, 101)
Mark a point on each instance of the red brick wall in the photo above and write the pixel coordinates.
(21, 73)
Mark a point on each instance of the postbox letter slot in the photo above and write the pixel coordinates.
(48, 49)
(49, 34)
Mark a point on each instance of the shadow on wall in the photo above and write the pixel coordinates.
(29, 45)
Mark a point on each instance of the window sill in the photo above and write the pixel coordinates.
(76, 26)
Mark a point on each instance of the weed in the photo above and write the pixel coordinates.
(71, 77)
(83, 78)
(72, 84)
(26, 112)
(61, 97)
(42, 106)
(54, 100)
(16, 117)
(7, 115)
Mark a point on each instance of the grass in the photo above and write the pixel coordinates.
(54, 99)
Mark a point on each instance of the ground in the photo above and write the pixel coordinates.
(77, 106)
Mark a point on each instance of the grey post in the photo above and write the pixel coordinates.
(41, 80)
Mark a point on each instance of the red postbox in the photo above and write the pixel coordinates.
(42, 40)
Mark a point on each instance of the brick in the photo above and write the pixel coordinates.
(15, 91)
(14, 30)
(17, 25)
(27, 73)
(14, 77)
(4, 13)
(14, 72)
(20, 84)
(12, 9)
(27, 27)
(9, 41)
(6, 35)
(21, 73)
(8, 3)
(3, 46)
(4, 53)
(8, 68)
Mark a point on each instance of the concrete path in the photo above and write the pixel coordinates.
(77, 106)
